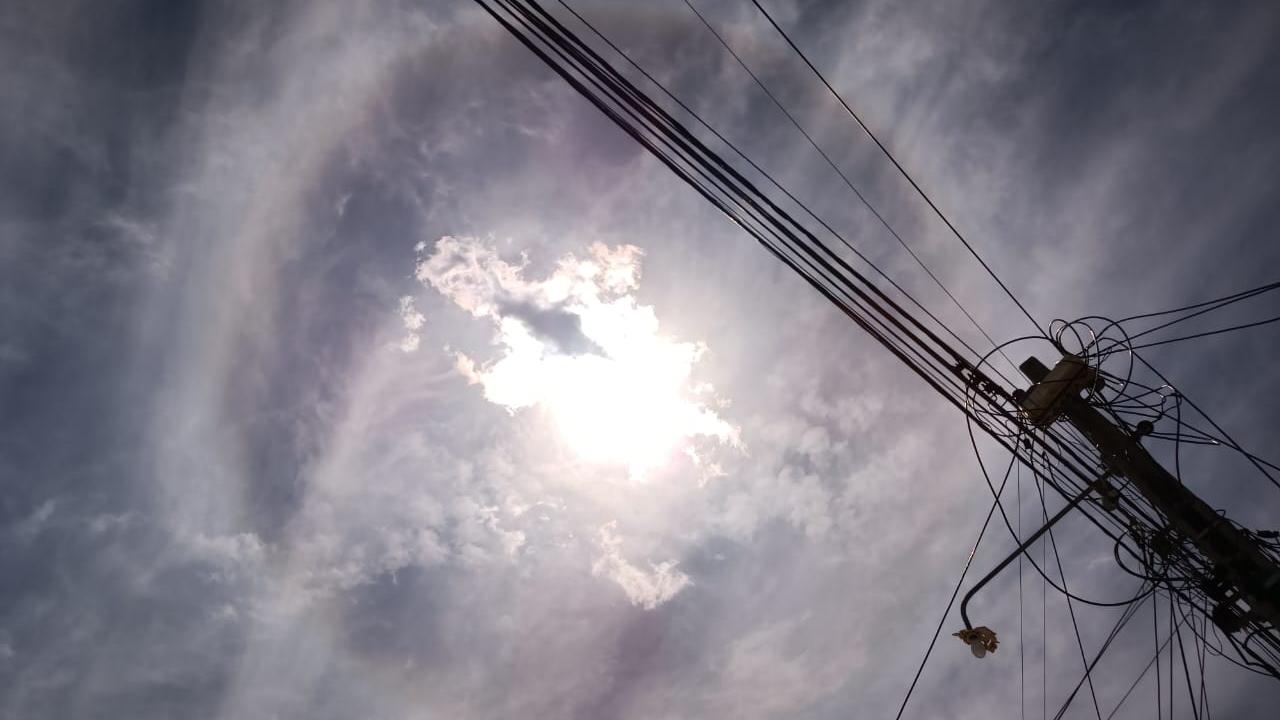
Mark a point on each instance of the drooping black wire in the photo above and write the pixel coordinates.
(959, 583)
(1053, 545)
(1124, 619)
(1009, 526)
(1223, 433)
(1044, 621)
(1171, 662)
(1141, 595)
(1155, 619)
(1245, 326)
(1244, 294)
(1022, 645)
(1186, 671)
(1155, 660)
(1208, 306)
(1216, 650)
(1203, 645)
(1096, 353)
(1070, 453)
(1177, 440)
(848, 183)
(901, 170)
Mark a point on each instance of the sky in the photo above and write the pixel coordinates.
(351, 365)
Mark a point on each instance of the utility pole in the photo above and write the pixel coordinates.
(1233, 554)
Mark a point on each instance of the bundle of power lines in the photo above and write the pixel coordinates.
(1061, 458)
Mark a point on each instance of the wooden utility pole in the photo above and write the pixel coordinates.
(1234, 555)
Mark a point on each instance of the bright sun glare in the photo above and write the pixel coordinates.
(632, 404)
(627, 400)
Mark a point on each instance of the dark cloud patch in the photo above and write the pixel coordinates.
(559, 327)
(160, 629)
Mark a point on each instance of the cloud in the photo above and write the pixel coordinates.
(412, 321)
(242, 485)
(579, 345)
(645, 588)
(35, 523)
(230, 556)
(560, 329)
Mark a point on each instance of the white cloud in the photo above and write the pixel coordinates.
(229, 554)
(413, 322)
(578, 345)
(645, 588)
(32, 525)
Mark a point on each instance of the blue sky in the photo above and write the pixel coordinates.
(303, 414)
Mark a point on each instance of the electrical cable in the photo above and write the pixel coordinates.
(1022, 646)
(1213, 305)
(848, 183)
(767, 176)
(1154, 660)
(954, 593)
(925, 353)
(1155, 620)
(1125, 617)
(1186, 671)
(1207, 334)
(1257, 462)
(901, 170)
(725, 180)
(1044, 623)
(808, 271)
(1053, 545)
(1244, 294)
(813, 267)
(1009, 526)
(1171, 663)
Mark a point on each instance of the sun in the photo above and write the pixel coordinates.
(580, 347)
(631, 411)
(631, 403)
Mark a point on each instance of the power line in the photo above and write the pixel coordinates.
(848, 183)
(1053, 544)
(1125, 617)
(1061, 589)
(1207, 334)
(1022, 645)
(1186, 671)
(933, 359)
(1155, 618)
(1256, 461)
(1153, 661)
(772, 181)
(896, 164)
(1226, 300)
(736, 196)
(1044, 622)
(788, 240)
(959, 583)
